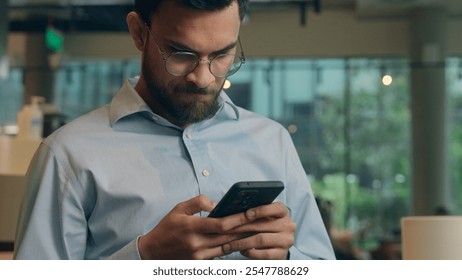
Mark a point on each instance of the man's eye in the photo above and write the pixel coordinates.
(175, 50)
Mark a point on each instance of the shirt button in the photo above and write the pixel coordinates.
(155, 118)
(189, 135)
(205, 173)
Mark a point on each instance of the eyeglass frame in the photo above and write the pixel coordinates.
(166, 56)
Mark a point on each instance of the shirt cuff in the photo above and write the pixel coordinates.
(128, 252)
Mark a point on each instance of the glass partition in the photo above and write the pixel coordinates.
(11, 99)
(454, 89)
(349, 119)
(350, 122)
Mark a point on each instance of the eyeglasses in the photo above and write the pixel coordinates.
(183, 63)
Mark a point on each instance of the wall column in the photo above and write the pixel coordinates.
(38, 76)
(428, 47)
(3, 34)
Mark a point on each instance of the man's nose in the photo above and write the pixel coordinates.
(201, 75)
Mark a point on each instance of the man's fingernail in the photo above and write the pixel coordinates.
(226, 248)
(250, 214)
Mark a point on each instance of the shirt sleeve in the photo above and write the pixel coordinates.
(128, 252)
(53, 219)
(52, 223)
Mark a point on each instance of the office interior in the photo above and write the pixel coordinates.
(370, 90)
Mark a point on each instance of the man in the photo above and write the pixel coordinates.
(136, 178)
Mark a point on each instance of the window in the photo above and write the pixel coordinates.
(454, 89)
(351, 128)
(11, 96)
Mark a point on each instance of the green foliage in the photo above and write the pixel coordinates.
(378, 210)
(376, 124)
(455, 152)
(332, 188)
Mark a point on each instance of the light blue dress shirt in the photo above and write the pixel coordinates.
(110, 176)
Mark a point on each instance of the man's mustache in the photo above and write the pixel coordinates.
(193, 90)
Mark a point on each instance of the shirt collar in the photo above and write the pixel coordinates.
(127, 102)
(229, 110)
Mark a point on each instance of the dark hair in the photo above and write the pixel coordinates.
(145, 8)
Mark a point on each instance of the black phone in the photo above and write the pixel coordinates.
(245, 195)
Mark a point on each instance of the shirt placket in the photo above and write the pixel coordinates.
(202, 163)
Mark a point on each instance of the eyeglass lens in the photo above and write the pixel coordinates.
(182, 63)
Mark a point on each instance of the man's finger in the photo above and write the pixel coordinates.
(275, 210)
(195, 205)
(266, 254)
(260, 241)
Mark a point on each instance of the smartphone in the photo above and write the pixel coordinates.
(245, 195)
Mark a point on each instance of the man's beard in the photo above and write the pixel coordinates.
(187, 111)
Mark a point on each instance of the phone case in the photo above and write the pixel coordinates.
(245, 195)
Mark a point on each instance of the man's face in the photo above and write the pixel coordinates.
(193, 97)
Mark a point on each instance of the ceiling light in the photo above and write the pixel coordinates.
(387, 80)
(227, 84)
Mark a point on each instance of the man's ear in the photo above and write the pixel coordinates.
(137, 29)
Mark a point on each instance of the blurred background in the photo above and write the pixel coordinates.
(370, 90)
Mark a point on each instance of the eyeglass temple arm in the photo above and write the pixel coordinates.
(242, 50)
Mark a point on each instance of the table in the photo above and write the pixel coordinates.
(15, 156)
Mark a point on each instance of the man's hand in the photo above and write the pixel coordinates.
(273, 233)
(181, 235)
(265, 232)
